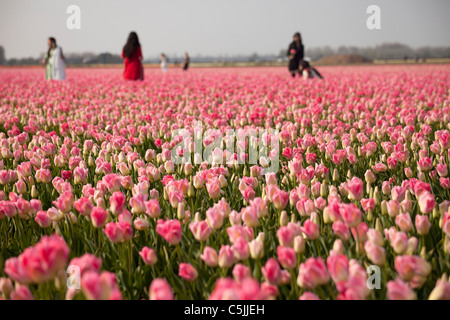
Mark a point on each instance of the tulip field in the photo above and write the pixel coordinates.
(94, 206)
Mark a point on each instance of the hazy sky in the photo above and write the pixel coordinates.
(215, 27)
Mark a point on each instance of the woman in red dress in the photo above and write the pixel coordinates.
(133, 55)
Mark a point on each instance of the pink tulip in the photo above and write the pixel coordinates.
(226, 256)
(272, 271)
(312, 273)
(214, 217)
(137, 203)
(118, 231)
(64, 202)
(100, 286)
(213, 188)
(286, 257)
(43, 175)
(442, 169)
(241, 272)
(83, 206)
(446, 224)
(368, 204)
(152, 208)
(441, 291)
(187, 272)
(117, 203)
(403, 221)
(309, 296)
(399, 242)
(201, 230)
(280, 199)
(285, 236)
(42, 219)
(250, 217)
(6, 287)
(241, 249)
(210, 257)
(375, 253)
(87, 262)
(398, 290)
(21, 292)
(350, 214)
(338, 267)
(341, 230)
(170, 230)
(98, 217)
(40, 263)
(160, 290)
(426, 202)
(311, 230)
(355, 189)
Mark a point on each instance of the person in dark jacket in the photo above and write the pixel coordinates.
(186, 61)
(295, 53)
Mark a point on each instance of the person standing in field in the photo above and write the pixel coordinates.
(132, 55)
(186, 61)
(163, 60)
(55, 68)
(295, 53)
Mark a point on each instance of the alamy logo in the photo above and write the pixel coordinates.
(73, 21)
(232, 147)
(73, 279)
(374, 279)
(374, 20)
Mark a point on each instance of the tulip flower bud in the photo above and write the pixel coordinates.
(180, 211)
(315, 218)
(91, 162)
(223, 181)
(256, 248)
(376, 195)
(34, 193)
(100, 202)
(141, 224)
(284, 219)
(369, 216)
(384, 207)
(226, 256)
(188, 169)
(423, 253)
(6, 287)
(369, 176)
(412, 245)
(323, 189)
(378, 225)
(299, 244)
(436, 213)
(148, 256)
(335, 175)
(338, 247)
(326, 216)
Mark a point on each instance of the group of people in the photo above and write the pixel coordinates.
(134, 70)
(297, 63)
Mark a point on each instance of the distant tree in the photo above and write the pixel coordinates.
(2, 55)
(253, 57)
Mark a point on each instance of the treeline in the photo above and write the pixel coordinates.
(71, 58)
(383, 51)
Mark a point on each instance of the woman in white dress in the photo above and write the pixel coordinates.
(163, 60)
(55, 68)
